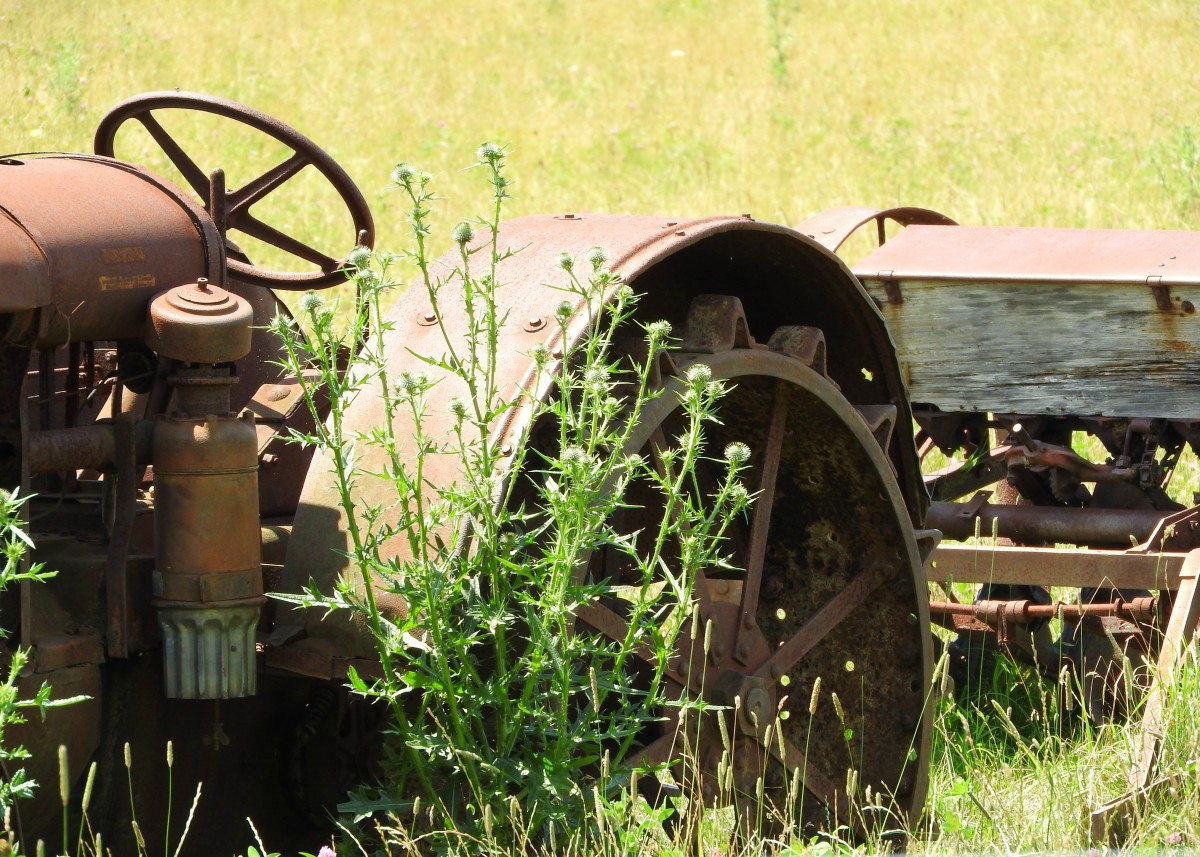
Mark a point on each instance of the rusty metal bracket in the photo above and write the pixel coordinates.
(806, 344)
(881, 421)
(1161, 292)
(1175, 532)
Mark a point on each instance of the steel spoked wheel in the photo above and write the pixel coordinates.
(812, 657)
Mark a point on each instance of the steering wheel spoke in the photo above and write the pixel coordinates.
(183, 162)
(240, 200)
(237, 204)
(255, 228)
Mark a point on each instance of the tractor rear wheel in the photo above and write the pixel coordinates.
(813, 656)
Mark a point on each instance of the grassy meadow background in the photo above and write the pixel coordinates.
(1067, 113)
(1082, 113)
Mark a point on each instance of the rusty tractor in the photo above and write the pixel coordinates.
(144, 416)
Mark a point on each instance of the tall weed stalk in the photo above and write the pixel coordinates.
(512, 726)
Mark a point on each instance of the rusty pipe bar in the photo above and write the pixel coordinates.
(1141, 609)
(1055, 524)
(82, 448)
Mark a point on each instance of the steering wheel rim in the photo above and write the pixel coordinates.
(234, 206)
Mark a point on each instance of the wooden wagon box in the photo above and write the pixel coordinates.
(1043, 321)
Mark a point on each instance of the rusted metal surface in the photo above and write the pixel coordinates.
(832, 227)
(200, 323)
(209, 591)
(205, 458)
(206, 482)
(994, 254)
(91, 262)
(1023, 611)
(1034, 454)
(116, 441)
(279, 407)
(82, 448)
(1044, 524)
(120, 617)
(232, 209)
(786, 278)
(1177, 531)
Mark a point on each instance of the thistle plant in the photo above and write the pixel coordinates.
(14, 708)
(513, 723)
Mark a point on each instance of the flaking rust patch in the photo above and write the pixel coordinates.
(129, 281)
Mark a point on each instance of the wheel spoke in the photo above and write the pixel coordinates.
(764, 501)
(183, 162)
(248, 194)
(831, 615)
(269, 234)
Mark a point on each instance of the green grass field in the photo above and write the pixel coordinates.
(1079, 113)
(1076, 113)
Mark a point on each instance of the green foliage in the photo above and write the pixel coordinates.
(779, 14)
(1019, 116)
(1017, 765)
(66, 72)
(13, 708)
(1176, 163)
(511, 729)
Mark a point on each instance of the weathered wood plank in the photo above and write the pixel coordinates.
(1044, 321)
(1046, 348)
(955, 563)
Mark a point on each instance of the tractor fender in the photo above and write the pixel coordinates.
(780, 276)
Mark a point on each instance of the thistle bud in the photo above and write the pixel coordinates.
(737, 453)
(463, 233)
(403, 173)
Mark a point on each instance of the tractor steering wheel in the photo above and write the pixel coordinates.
(231, 210)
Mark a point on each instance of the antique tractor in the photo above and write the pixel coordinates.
(144, 416)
